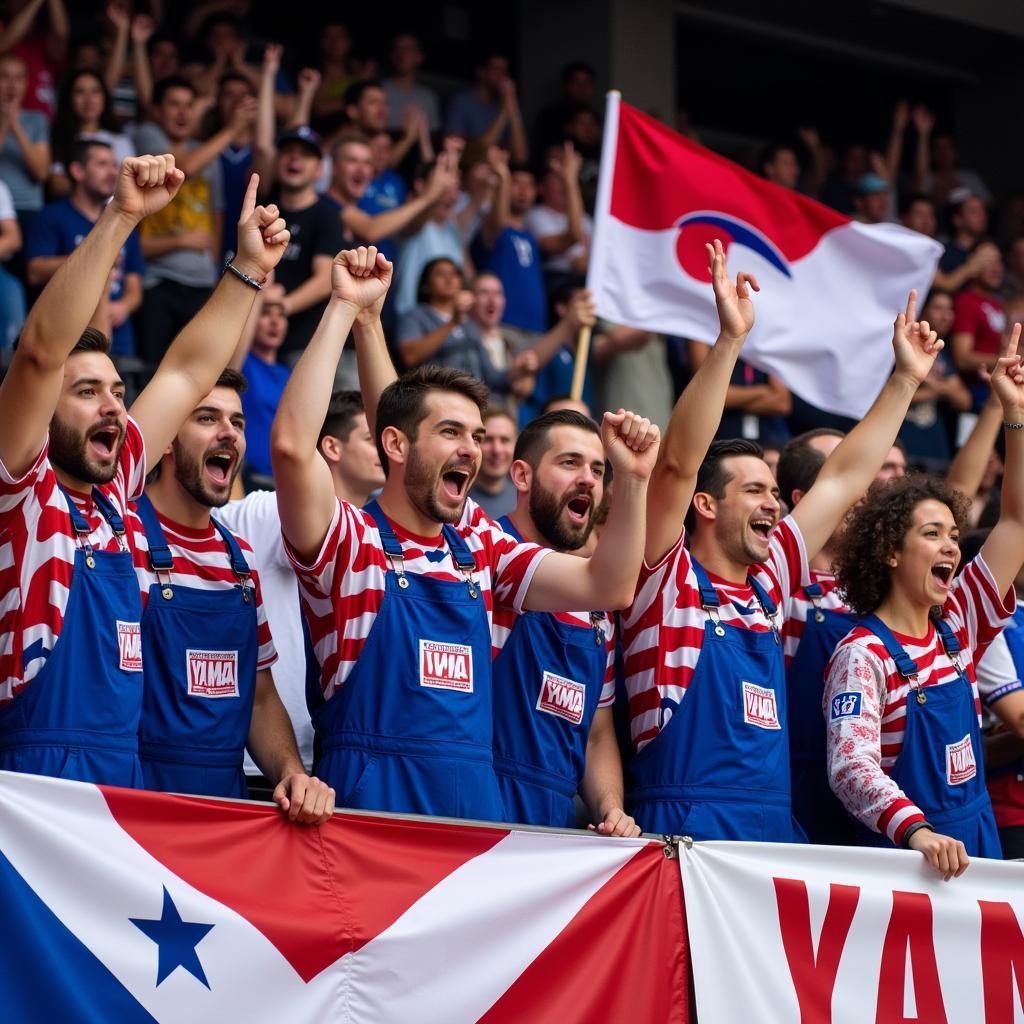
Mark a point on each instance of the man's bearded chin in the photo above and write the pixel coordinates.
(68, 452)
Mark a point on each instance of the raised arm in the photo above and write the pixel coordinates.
(1003, 551)
(497, 216)
(698, 412)
(143, 27)
(373, 361)
(120, 18)
(608, 578)
(203, 348)
(853, 465)
(305, 489)
(19, 25)
(968, 466)
(263, 142)
(31, 389)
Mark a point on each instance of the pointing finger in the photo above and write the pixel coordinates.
(249, 202)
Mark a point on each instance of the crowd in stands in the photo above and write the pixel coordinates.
(450, 239)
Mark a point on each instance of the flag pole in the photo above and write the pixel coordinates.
(608, 147)
(579, 369)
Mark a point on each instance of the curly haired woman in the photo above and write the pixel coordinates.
(901, 702)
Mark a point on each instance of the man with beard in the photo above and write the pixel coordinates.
(71, 459)
(554, 674)
(706, 621)
(398, 597)
(208, 690)
(494, 490)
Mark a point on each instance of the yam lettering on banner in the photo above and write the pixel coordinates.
(831, 935)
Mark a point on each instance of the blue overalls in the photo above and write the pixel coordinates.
(720, 768)
(815, 806)
(547, 684)
(201, 648)
(410, 729)
(79, 718)
(939, 721)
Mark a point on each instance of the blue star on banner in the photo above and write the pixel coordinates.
(176, 940)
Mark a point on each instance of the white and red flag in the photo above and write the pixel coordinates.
(119, 905)
(830, 286)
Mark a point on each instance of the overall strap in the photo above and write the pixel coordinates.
(392, 545)
(814, 591)
(905, 665)
(763, 599)
(709, 599)
(950, 642)
(81, 525)
(239, 566)
(78, 521)
(107, 510)
(160, 558)
(459, 549)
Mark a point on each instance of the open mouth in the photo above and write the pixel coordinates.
(579, 509)
(762, 527)
(454, 483)
(943, 573)
(218, 468)
(104, 441)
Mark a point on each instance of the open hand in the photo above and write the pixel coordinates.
(631, 443)
(262, 235)
(735, 310)
(146, 184)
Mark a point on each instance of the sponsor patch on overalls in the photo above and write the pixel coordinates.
(446, 666)
(759, 707)
(562, 697)
(129, 646)
(212, 673)
(960, 763)
(846, 705)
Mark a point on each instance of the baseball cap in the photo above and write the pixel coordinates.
(303, 133)
(870, 183)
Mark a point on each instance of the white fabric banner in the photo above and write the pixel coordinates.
(828, 935)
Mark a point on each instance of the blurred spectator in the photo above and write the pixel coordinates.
(578, 92)
(487, 313)
(235, 102)
(506, 248)
(493, 490)
(968, 219)
(181, 243)
(25, 149)
(164, 56)
(944, 177)
(840, 188)
(42, 51)
(1014, 281)
(316, 234)
(771, 454)
(129, 94)
(631, 372)
(872, 201)
(12, 295)
(917, 212)
(366, 107)
(224, 47)
(439, 330)
(257, 359)
(335, 71)
(755, 403)
(353, 174)
(439, 236)
(779, 165)
(929, 430)
(488, 113)
(83, 109)
(562, 229)
(59, 228)
(403, 90)
(978, 324)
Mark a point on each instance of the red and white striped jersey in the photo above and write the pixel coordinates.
(37, 554)
(505, 618)
(201, 562)
(663, 630)
(342, 590)
(800, 606)
(866, 722)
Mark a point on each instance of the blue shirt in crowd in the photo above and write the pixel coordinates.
(515, 259)
(259, 403)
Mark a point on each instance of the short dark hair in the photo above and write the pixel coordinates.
(534, 439)
(907, 202)
(422, 293)
(342, 411)
(354, 93)
(935, 292)
(234, 76)
(81, 147)
(876, 529)
(493, 411)
(92, 340)
(232, 379)
(800, 462)
(712, 477)
(403, 403)
(165, 85)
(770, 152)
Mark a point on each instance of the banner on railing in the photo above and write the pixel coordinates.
(119, 905)
(827, 935)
